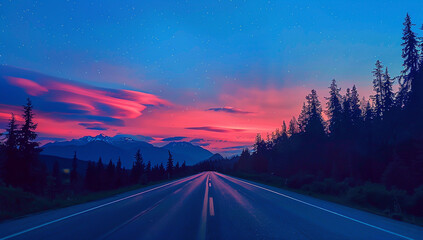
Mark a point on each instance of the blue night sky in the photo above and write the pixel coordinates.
(198, 55)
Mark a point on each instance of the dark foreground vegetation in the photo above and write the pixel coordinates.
(368, 154)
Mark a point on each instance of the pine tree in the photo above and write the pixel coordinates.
(137, 167)
(260, 161)
(177, 168)
(74, 173)
(244, 162)
(387, 93)
(293, 127)
(57, 179)
(284, 134)
(411, 61)
(100, 175)
(162, 171)
(302, 118)
(184, 167)
(169, 166)
(377, 88)
(119, 173)
(110, 174)
(368, 114)
(334, 109)
(33, 173)
(90, 176)
(355, 107)
(148, 167)
(410, 52)
(346, 113)
(11, 171)
(314, 121)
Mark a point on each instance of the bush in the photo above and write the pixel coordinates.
(299, 180)
(376, 195)
(15, 202)
(328, 186)
(416, 202)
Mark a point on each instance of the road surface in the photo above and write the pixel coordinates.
(208, 205)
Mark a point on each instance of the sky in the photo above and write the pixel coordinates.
(214, 73)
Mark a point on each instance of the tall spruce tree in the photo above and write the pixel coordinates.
(355, 107)
(119, 173)
(169, 166)
(387, 93)
(137, 167)
(314, 121)
(303, 118)
(293, 127)
(334, 110)
(74, 173)
(33, 176)
(411, 61)
(377, 88)
(284, 134)
(346, 112)
(11, 172)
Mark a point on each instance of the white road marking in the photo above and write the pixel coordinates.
(94, 208)
(202, 230)
(209, 184)
(211, 206)
(324, 209)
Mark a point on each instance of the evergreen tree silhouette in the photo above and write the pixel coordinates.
(377, 88)
(119, 173)
(303, 118)
(244, 162)
(334, 110)
(110, 174)
(177, 168)
(387, 93)
(184, 167)
(284, 134)
(137, 168)
(74, 173)
(293, 127)
(90, 176)
(33, 173)
(355, 108)
(11, 170)
(100, 175)
(314, 121)
(260, 160)
(148, 169)
(411, 60)
(169, 166)
(161, 171)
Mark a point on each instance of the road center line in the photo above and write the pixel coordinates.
(211, 206)
(97, 207)
(324, 209)
(202, 230)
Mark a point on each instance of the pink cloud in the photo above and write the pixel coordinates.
(31, 87)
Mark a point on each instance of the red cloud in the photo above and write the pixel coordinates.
(215, 129)
(31, 87)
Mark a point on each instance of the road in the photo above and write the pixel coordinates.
(208, 205)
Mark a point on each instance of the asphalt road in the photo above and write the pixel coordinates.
(209, 205)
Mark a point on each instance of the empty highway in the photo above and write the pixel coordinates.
(208, 205)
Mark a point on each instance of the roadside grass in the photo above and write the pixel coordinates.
(14, 202)
(353, 197)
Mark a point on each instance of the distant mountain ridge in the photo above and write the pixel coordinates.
(124, 146)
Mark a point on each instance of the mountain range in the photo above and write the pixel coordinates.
(125, 146)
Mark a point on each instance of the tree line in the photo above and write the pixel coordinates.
(21, 167)
(353, 140)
